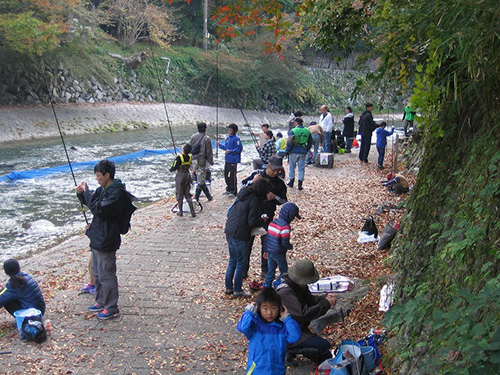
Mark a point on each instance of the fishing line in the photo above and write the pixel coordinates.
(250, 128)
(60, 132)
(218, 98)
(163, 98)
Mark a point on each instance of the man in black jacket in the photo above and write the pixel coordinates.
(366, 128)
(278, 195)
(107, 204)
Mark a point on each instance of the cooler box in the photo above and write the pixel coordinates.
(324, 160)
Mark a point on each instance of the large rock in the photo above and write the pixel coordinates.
(345, 303)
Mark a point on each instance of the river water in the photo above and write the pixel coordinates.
(37, 213)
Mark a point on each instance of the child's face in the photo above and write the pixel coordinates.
(269, 311)
(230, 131)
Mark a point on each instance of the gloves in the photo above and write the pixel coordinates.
(252, 308)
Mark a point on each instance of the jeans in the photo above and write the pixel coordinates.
(316, 142)
(381, 154)
(238, 255)
(348, 144)
(327, 142)
(293, 160)
(106, 282)
(364, 150)
(273, 261)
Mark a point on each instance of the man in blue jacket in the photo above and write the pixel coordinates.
(108, 205)
(233, 148)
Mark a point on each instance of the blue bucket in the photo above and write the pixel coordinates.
(369, 357)
(21, 314)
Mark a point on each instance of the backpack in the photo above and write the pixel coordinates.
(370, 227)
(33, 329)
(197, 147)
(124, 221)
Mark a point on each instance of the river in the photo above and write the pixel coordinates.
(39, 212)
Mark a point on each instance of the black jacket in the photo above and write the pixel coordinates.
(366, 124)
(244, 215)
(278, 187)
(107, 206)
(348, 131)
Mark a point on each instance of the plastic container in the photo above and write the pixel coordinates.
(369, 357)
(21, 314)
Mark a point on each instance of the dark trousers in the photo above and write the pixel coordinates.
(316, 348)
(230, 171)
(364, 150)
(263, 261)
(13, 306)
(106, 282)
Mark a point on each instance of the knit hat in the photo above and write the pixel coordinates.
(303, 272)
(11, 267)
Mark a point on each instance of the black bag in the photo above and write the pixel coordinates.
(388, 234)
(370, 227)
(197, 147)
(33, 329)
(124, 222)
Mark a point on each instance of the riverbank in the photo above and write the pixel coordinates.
(20, 123)
(175, 316)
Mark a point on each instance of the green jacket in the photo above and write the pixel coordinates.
(409, 114)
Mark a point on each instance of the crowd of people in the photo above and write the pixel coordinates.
(277, 324)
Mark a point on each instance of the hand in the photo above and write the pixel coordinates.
(227, 151)
(331, 299)
(284, 311)
(82, 187)
(87, 227)
(265, 256)
(217, 143)
(270, 196)
(252, 307)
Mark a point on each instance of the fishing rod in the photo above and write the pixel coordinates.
(163, 94)
(250, 128)
(218, 98)
(51, 101)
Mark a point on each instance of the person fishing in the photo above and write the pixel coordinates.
(108, 205)
(183, 180)
(233, 148)
(202, 155)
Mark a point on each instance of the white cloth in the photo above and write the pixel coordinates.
(326, 122)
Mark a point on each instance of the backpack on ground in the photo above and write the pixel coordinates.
(197, 147)
(33, 329)
(124, 222)
(370, 227)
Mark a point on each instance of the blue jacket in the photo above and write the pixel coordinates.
(29, 296)
(267, 343)
(278, 232)
(382, 135)
(233, 144)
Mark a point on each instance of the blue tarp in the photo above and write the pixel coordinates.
(20, 175)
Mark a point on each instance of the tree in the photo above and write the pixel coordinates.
(139, 19)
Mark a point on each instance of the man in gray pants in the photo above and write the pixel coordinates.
(108, 205)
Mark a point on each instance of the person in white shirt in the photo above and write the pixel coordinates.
(326, 122)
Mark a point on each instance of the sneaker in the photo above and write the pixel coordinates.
(89, 288)
(242, 294)
(229, 291)
(226, 192)
(95, 308)
(106, 314)
(256, 286)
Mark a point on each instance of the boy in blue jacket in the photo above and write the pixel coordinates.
(269, 328)
(278, 241)
(382, 135)
(233, 148)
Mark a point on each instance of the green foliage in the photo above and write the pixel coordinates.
(28, 35)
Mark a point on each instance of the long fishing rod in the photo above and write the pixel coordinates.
(250, 128)
(61, 134)
(218, 98)
(163, 97)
